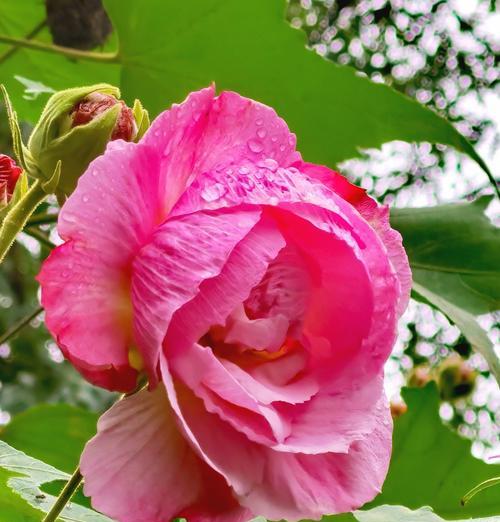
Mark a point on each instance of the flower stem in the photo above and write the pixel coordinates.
(64, 497)
(7, 54)
(59, 49)
(40, 236)
(20, 325)
(43, 218)
(18, 215)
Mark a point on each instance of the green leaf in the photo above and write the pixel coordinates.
(172, 48)
(403, 514)
(453, 251)
(467, 325)
(455, 259)
(55, 434)
(22, 500)
(432, 466)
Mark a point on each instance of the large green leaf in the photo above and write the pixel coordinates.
(170, 48)
(454, 252)
(174, 47)
(55, 434)
(54, 71)
(403, 514)
(433, 466)
(22, 500)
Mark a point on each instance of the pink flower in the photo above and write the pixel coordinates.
(259, 294)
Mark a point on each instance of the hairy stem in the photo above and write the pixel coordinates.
(43, 218)
(16, 327)
(64, 497)
(7, 54)
(59, 49)
(18, 215)
(40, 236)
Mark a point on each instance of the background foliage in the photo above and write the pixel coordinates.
(443, 59)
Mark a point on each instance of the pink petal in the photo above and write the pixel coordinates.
(280, 485)
(85, 282)
(376, 215)
(139, 467)
(87, 310)
(175, 135)
(266, 333)
(335, 221)
(198, 366)
(207, 132)
(167, 272)
(331, 420)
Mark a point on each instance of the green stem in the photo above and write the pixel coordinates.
(64, 497)
(59, 49)
(18, 215)
(39, 236)
(7, 54)
(483, 485)
(43, 218)
(16, 327)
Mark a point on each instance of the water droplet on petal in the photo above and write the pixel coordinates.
(213, 192)
(261, 133)
(259, 121)
(269, 164)
(255, 146)
(85, 199)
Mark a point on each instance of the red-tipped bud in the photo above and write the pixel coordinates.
(95, 104)
(398, 408)
(9, 174)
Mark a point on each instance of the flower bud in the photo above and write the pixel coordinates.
(398, 408)
(95, 104)
(74, 128)
(455, 378)
(9, 175)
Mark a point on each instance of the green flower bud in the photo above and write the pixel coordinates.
(74, 128)
(455, 378)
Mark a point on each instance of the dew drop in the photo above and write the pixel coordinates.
(259, 121)
(261, 133)
(269, 164)
(255, 146)
(213, 192)
(85, 199)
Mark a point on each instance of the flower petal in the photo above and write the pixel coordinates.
(377, 215)
(85, 282)
(139, 467)
(167, 272)
(280, 485)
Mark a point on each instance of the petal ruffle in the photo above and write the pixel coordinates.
(139, 467)
(378, 217)
(167, 272)
(286, 485)
(85, 282)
